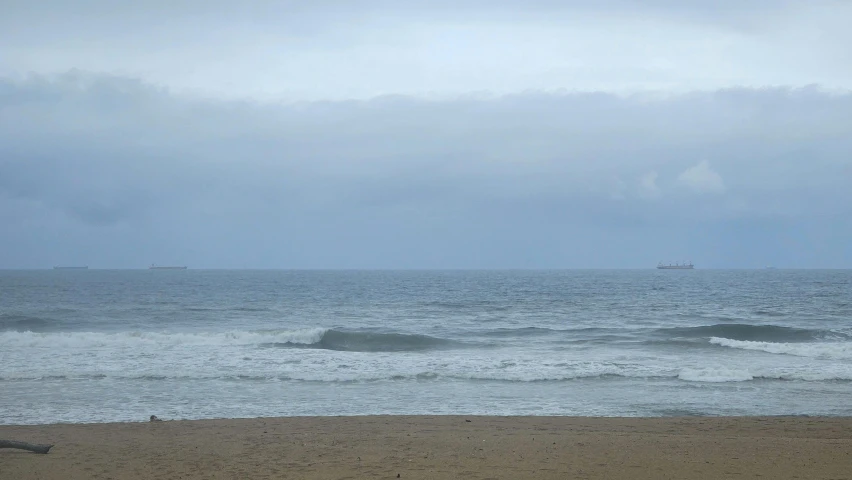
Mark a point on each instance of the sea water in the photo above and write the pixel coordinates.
(104, 346)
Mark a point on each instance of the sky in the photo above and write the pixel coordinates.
(394, 134)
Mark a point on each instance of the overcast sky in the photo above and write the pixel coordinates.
(393, 134)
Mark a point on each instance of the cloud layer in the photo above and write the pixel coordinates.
(112, 171)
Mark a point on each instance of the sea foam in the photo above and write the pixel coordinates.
(832, 350)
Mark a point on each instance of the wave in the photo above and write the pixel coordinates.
(21, 323)
(747, 332)
(321, 338)
(601, 372)
(585, 332)
(734, 331)
(381, 342)
(521, 331)
(728, 374)
(826, 350)
(251, 309)
(715, 375)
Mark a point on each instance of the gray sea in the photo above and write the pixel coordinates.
(103, 346)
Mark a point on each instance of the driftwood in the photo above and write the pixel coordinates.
(32, 447)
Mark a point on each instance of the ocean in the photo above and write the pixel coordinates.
(106, 346)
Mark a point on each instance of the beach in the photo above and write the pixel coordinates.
(438, 447)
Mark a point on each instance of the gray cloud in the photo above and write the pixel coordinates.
(380, 133)
(124, 173)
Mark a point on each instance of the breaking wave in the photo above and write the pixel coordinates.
(753, 333)
(733, 331)
(380, 342)
(321, 338)
(719, 374)
(828, 350)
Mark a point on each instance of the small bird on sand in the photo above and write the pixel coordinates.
(155, 419)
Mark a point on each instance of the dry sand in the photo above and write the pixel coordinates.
(443, 447)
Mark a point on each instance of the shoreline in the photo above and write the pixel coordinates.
(438, 416)
(438, 447)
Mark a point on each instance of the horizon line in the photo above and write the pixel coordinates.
(401, 269)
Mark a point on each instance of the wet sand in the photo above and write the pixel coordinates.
(438, 447)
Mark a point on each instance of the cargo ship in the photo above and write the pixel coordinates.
(166, 267)
(675, 266)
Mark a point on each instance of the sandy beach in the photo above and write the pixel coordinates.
(442, 447)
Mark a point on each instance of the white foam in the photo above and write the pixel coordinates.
(715, 375)
(827, 374)
(98, 339)
(832, 350)
(235, 356)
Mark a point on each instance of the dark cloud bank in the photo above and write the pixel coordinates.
(112, 172)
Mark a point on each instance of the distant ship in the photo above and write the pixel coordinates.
(84, 267)
(675, 266)
(157, 267)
